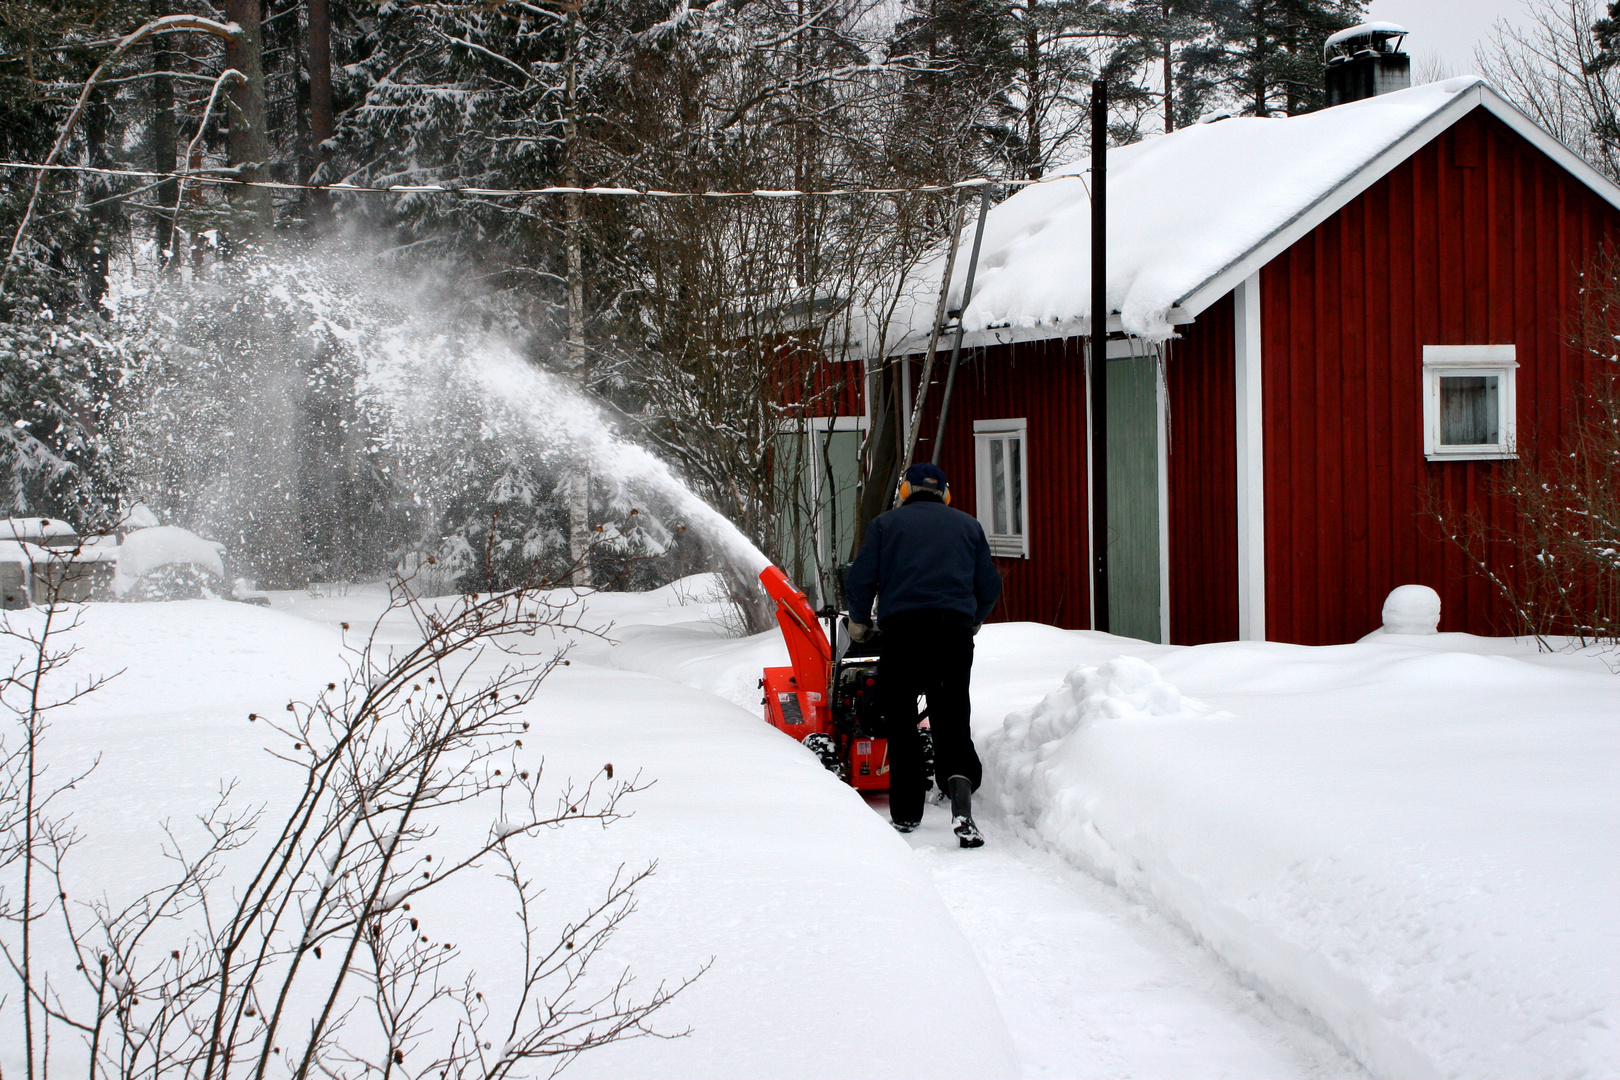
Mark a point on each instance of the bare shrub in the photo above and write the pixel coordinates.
(197, 979)
(1557, 563)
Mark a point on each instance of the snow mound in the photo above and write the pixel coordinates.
(1039, 764)
(1412, 609)
(1121, 689)
(1033, 746)
(146, 550)
(1406, 841)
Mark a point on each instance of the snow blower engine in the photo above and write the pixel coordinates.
(828, 698)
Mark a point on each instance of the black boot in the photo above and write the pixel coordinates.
(967, 833)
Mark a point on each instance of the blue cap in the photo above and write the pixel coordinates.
(926, 476)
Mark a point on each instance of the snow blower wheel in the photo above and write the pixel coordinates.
(826, 749)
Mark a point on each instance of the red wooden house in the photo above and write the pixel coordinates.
(1321, 322)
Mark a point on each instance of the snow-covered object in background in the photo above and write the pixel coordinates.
(97, 549)
(140, 516)
(146, 550)
(1183, 209)
(17, 551)
(49, 532)
(1412, 609)
(1366, 29)
(248, 592)
(16, 574)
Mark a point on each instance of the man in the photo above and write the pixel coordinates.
(929, 569)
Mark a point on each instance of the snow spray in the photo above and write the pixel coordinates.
(556, 415)
(431, 377)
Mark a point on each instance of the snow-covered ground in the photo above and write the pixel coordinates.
(830, 947)
(1409, 846)
(1394, 858)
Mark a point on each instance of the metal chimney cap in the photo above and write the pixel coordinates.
(1383, 37)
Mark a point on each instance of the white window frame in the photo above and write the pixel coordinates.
(1005, 546)
(1498, 360)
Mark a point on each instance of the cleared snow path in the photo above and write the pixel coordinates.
(1094, 985)
(1090, 983)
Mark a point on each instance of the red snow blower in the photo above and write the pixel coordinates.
(828, 698)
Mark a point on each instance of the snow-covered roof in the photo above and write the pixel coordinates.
(1191, 215)
(18, 551)
(35, 528)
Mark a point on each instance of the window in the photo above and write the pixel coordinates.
(1002, 481)
(1468, 401)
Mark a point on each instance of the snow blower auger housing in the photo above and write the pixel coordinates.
(828, 698)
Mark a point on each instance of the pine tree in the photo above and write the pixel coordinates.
(1273, 62)
(1607, 33)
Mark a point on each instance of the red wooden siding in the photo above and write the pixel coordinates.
(1043, 382)
(804, 379)
(1200, 377)
(1437, 253)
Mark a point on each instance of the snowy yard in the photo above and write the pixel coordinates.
(1396, 858)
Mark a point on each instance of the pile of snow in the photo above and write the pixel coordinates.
(146, 550)
(97, 549)
(1412, 609)
(1412, 842)
(1038, 759)
(1183, 208)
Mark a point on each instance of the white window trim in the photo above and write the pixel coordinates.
(1250, 434)
(1004, 547)
(1441, 360)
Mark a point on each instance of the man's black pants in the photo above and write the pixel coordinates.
(928, 654)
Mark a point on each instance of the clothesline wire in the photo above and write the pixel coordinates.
(456, 189)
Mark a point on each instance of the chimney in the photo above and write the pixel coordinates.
(1365, 61)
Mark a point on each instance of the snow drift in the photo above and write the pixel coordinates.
(1413, 846)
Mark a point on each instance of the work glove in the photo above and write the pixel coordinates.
(977, 627)
(859, 632)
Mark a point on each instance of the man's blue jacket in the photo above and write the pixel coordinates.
(923, 556)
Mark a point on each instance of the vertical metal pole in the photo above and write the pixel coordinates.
(1099, 355)
(956, 346)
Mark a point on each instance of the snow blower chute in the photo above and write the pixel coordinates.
(828, 698)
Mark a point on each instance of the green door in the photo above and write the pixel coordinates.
(1133, 497)
(840, 462)
(817, 474)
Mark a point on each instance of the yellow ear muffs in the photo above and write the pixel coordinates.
(947, 496)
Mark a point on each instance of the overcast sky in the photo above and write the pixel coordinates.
(1447, 29)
